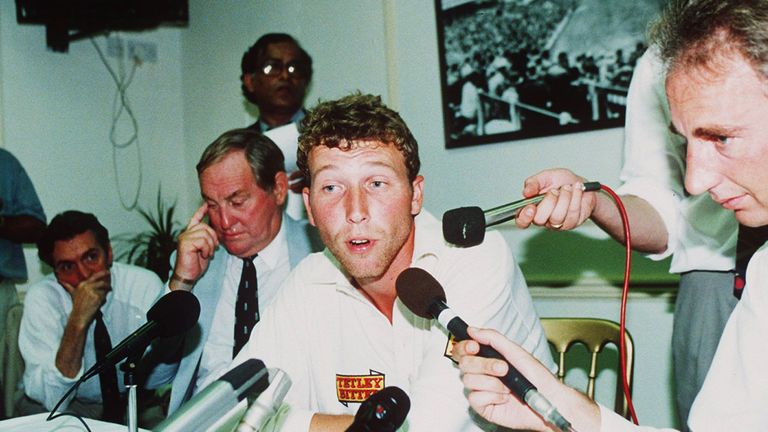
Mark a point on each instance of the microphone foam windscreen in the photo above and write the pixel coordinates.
(464, 226)
(176, 312)
(417, 290)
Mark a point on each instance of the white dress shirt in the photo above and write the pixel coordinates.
(47, 306)
(337, 347)
(735, 392)
(272, 268)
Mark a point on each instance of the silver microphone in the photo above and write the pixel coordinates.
(267, 403)
(465, 226)
(218, 402)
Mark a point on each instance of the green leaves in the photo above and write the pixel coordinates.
(152, 248)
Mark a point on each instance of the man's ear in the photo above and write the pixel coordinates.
(247, 80)
(418, 195)
(307, 205)
(281, 187)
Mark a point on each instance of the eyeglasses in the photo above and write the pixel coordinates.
(274, 68)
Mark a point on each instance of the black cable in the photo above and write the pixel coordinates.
(54, 415)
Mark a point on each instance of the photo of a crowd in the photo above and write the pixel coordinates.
(514, 69)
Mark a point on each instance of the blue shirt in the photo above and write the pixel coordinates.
(17, 198)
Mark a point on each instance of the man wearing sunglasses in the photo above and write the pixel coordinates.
(276, 72)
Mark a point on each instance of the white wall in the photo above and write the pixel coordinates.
(57, 111)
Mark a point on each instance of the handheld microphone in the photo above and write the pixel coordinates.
(267, 403)
(212, 405)
(173, 314)
(465, 226)
(425, 297)
(383, 411)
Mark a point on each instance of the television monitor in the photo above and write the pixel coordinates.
(67, 21)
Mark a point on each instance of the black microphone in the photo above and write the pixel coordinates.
(425, 297)
(383, 411)
(173, 314)
(465, 226)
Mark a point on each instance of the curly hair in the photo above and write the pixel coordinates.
(354, 118)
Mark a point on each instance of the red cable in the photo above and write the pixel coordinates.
(624, 295)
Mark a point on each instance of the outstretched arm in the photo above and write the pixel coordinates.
(566, 206)
(21, 229)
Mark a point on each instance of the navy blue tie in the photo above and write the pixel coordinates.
(247, 305)
(110, 395)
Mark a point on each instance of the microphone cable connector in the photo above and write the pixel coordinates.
(537, 402)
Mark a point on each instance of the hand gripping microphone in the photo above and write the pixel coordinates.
(383, 411)
(425, 297)
(465, 226)
(173, 314)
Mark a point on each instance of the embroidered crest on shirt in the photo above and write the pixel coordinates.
(358, 388)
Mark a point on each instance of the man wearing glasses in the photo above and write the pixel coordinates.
(276, 72)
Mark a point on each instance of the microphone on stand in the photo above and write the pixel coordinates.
(425, 297)
(173, 314)
(465, 226)
(219, 401)
(383, 411)
(267, 403)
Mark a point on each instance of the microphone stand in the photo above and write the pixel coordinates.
(129, 378)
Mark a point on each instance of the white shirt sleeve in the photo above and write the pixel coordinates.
(654, 158)
(39, 337)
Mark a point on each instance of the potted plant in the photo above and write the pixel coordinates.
(152, 248)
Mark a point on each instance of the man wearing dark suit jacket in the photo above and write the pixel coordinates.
(243, 184)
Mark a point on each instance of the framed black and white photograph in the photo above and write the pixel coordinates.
(515, 69)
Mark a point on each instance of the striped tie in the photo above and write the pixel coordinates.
(247, 305)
